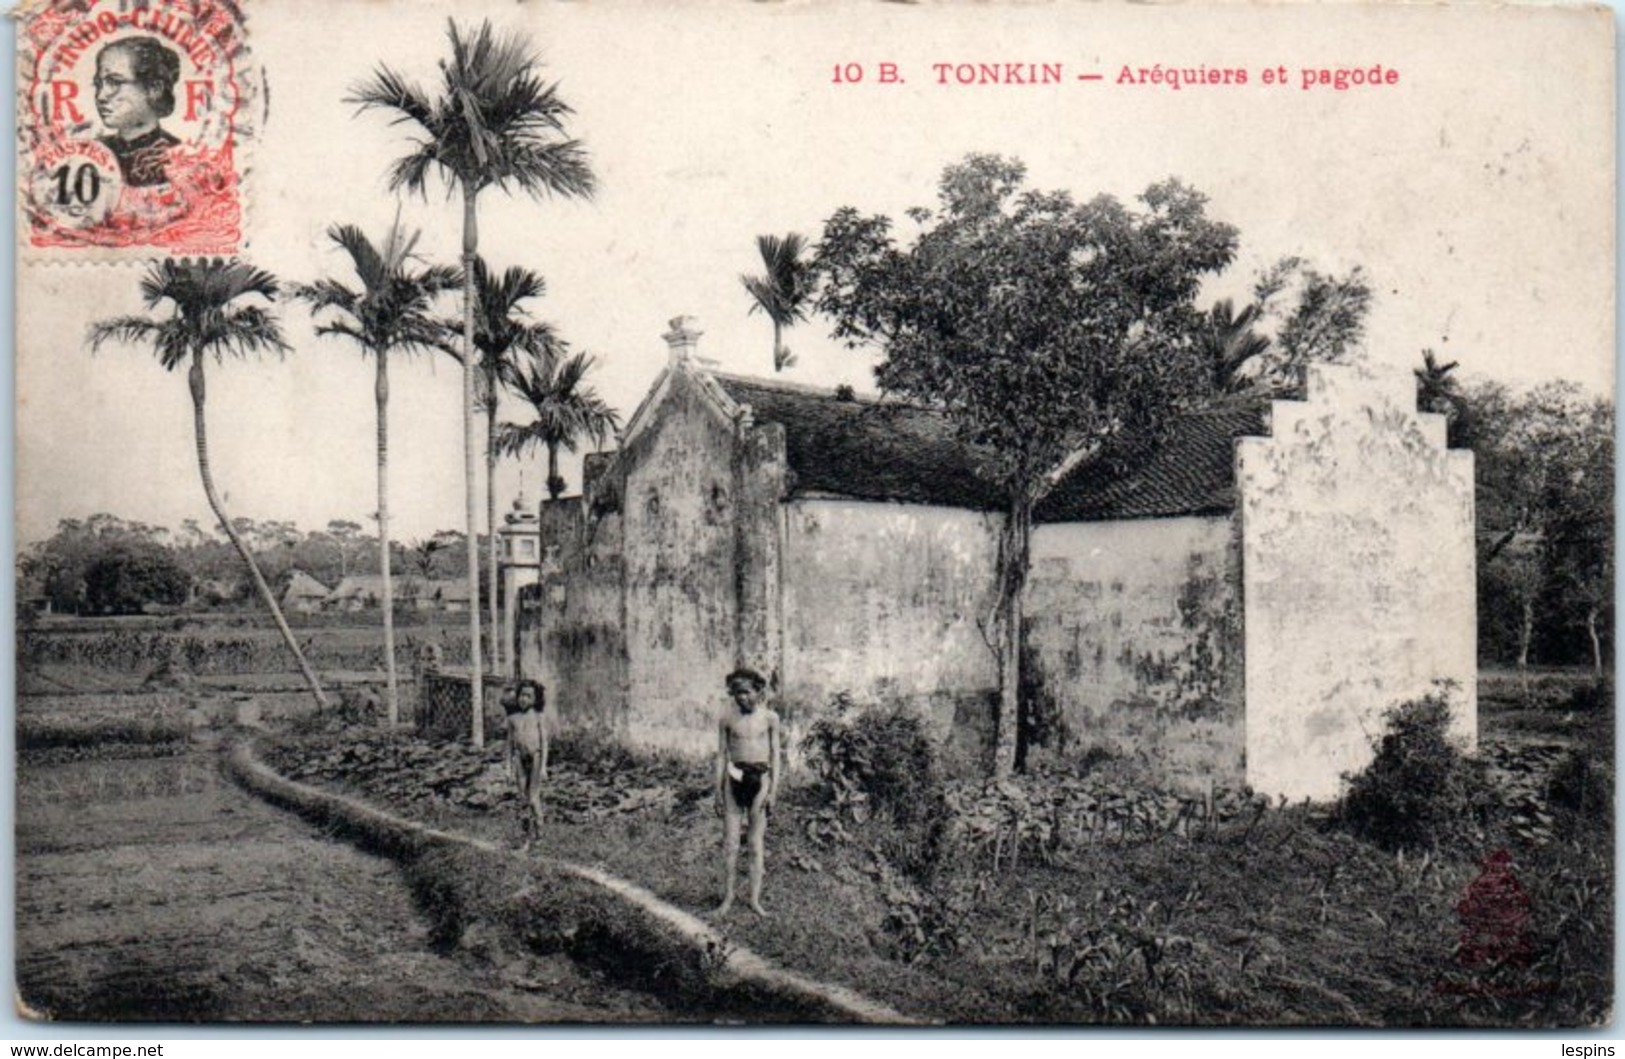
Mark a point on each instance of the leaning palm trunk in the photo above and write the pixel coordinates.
(476, 679)
(381, 391)
(195, 380)
(498, 633)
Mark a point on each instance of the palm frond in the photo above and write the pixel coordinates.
(372, 265)
(784, 290)
(128, 330)
(343, 329)
(388, 90)
(438, 279)
(558, 168)
(494, 121)
(203, 292)
(565, 407)
(411, 171)
(248, 330)
(513, 439)
(327, 294)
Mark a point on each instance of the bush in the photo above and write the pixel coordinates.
(883, 754)
(1595, 694)
(1419, 792)
(1581, 786)
(880, 763)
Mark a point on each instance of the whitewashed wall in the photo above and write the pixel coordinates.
(1358, 579)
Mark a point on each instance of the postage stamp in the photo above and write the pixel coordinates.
(132, 122)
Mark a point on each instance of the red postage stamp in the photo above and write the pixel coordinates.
(133, 122)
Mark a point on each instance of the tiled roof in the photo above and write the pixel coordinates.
(873, 450)
(866, 449)
(1189, 470)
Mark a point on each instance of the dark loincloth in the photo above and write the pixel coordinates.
(747, 787)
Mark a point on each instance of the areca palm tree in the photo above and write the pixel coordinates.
(494, 123)
(1437, 390)
(503, 334)
(209, 319)
(784, 291)
(566, 408)
(1228, 344)
(389, 312)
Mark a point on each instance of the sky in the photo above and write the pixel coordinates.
(1477, 193)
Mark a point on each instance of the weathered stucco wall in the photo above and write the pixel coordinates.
(881, 601)
(1134, 644)
(1357, 536)
(680, 540)
(570, 626)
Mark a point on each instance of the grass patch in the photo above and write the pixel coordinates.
(1091, 897)
(67, 737)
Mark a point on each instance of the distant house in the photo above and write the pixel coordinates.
(31, 598)
(215, 590)
(366, 592)
(1237, 602)
(449, 594)
(357, 592)
(304, 593)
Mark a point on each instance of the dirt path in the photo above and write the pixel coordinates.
(155, 890)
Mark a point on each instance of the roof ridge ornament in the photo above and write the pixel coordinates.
(682, 340)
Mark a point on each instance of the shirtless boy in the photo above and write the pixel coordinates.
(527, 751)
(747, 778)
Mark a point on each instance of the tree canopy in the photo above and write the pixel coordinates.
(1038, 323)
(1041, 326)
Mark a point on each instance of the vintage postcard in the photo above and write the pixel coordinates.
(1085, 514)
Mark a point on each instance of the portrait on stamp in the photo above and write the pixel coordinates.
(135, 90)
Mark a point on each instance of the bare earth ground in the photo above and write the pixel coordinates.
(154, 890)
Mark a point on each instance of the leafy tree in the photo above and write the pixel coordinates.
(494, 123)
(785, 289)
(58, 565)
(344, 534)
(1579, 533)
(506, 338)
(127, 579)
(566, 409)
(388, 313)
(1040, 326)
(207, 320)
(1544, 467)
(1318, 317)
